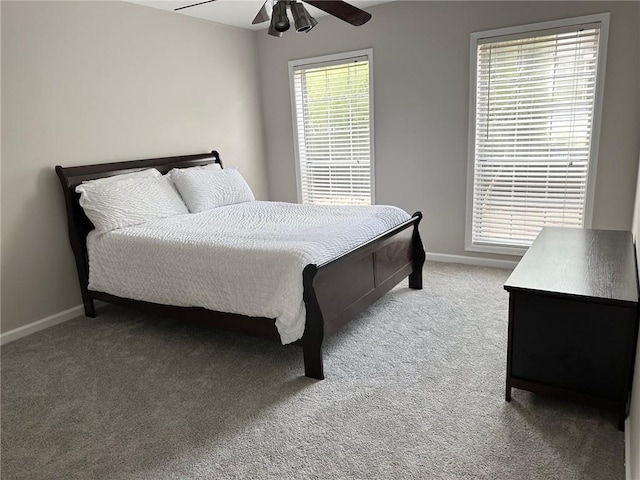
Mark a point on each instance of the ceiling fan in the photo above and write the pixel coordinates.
(276, 11)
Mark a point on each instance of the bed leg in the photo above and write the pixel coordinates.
(418, 254)
(415, 280)
(313, 367)
(89, 307)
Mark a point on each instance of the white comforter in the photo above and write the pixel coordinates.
(246, 258)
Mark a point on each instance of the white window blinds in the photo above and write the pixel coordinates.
(333, 125)
(534, 116)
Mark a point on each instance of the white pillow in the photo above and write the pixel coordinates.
(208, 166)
(206, 188)
(148, 173)
(132, 201)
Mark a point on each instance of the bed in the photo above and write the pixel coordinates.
(333, 290)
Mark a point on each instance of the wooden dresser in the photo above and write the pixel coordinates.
(573, 317)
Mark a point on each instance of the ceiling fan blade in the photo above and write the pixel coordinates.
(263, 15)
(342, 10)
(193, 5)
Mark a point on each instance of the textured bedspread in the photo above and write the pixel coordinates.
(246, 258)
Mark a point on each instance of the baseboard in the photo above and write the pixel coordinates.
(478, 261)
(38, 325)
(627, 448)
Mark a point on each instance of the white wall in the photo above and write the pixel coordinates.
(95, 82)
(421, 90)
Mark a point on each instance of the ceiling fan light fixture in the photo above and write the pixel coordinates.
(303, 21)
(273, 31)
(279, 19)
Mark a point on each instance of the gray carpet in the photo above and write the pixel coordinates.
(414, 389)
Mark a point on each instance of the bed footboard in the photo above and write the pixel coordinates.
(336, 291)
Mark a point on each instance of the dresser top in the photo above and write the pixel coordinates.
(599, 264)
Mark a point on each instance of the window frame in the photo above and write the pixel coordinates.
(476, 38)
(335, 58)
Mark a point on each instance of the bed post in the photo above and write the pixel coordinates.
(76, 239)
(415, 278)
(314, 327)
(87, 301)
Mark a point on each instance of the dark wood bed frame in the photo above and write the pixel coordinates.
(334, 292)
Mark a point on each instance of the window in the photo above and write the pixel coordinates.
(534, 123)
(333, 128)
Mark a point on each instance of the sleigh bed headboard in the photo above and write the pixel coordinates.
(78, 223)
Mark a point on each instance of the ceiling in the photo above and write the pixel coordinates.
(238, 13)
